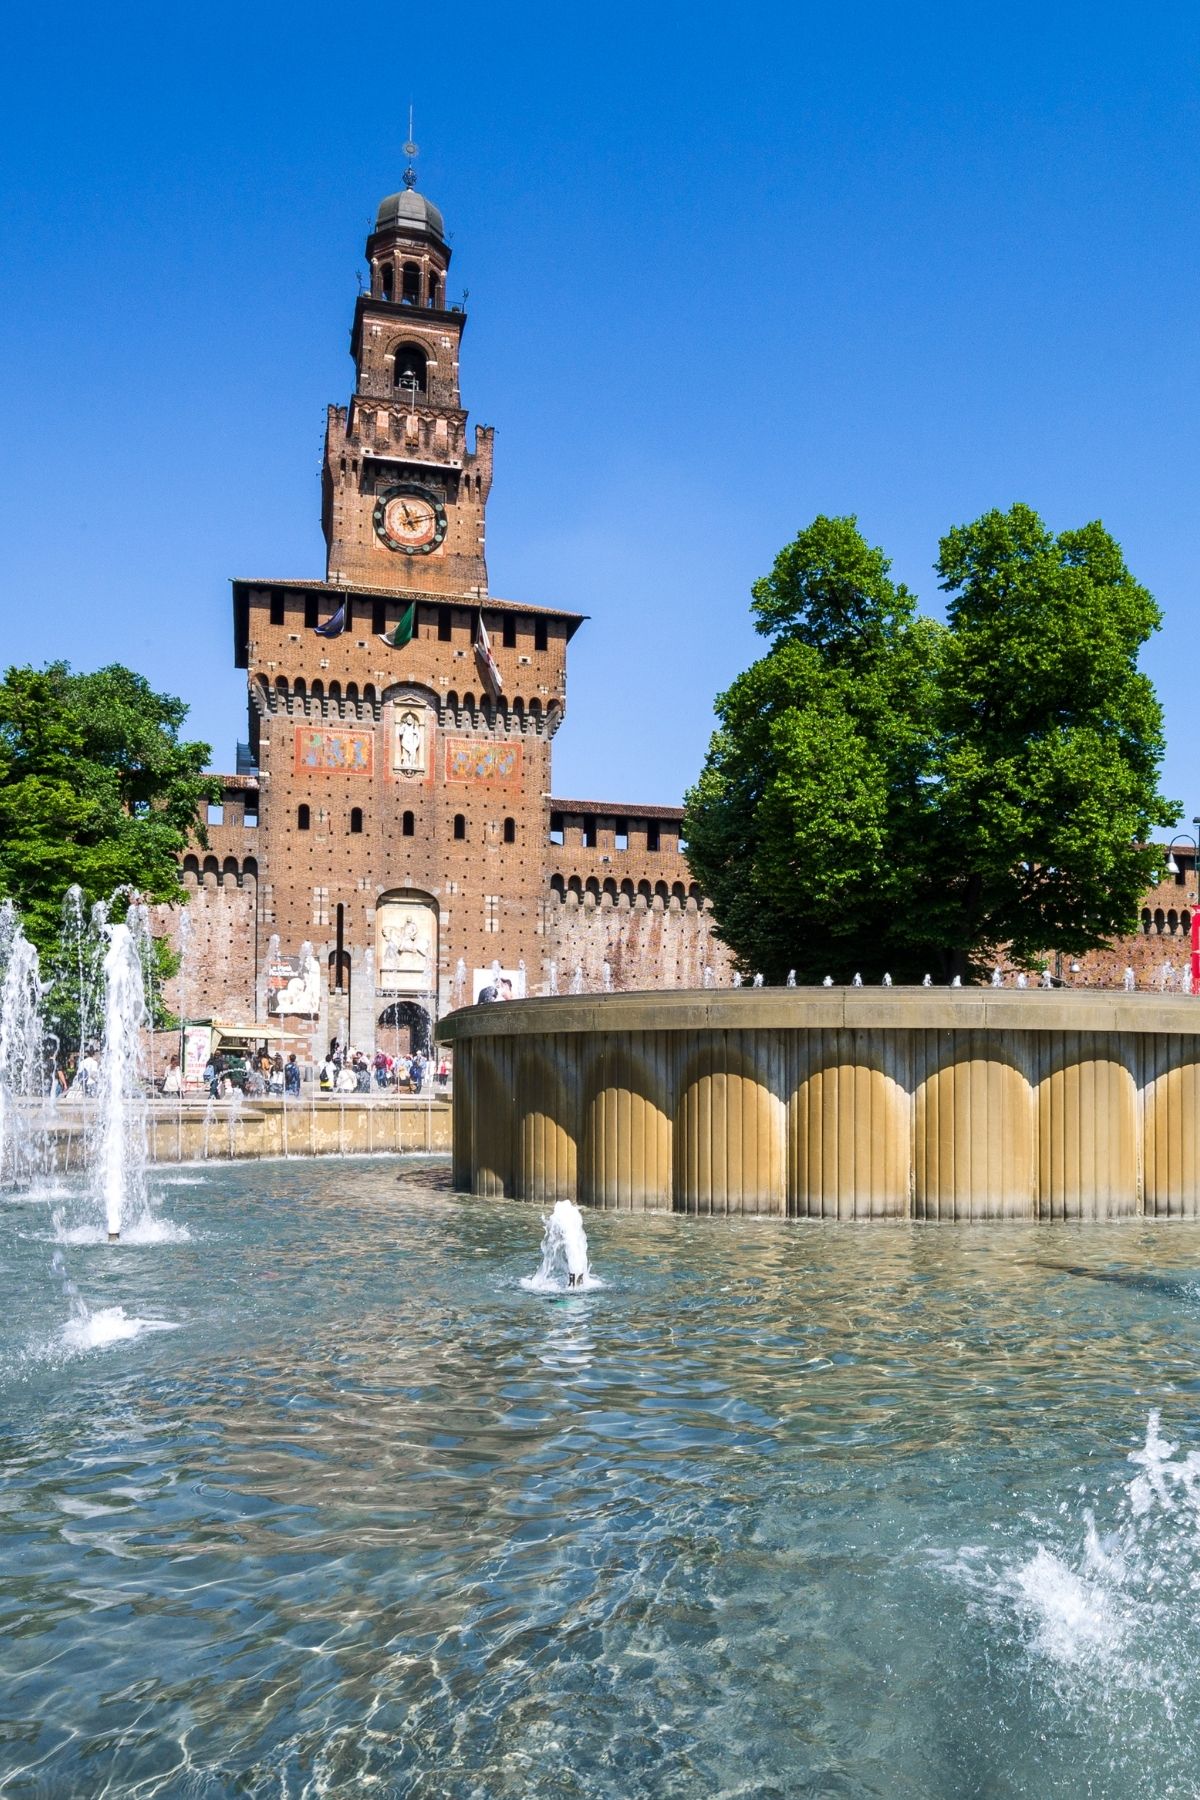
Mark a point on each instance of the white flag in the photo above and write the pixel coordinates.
(483, 650)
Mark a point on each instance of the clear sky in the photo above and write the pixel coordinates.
(728, 268)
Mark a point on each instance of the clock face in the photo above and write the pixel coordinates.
(410, 519)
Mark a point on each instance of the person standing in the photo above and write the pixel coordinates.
(291, 1077)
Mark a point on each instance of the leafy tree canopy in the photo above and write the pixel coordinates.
(96, 788)
(886, 792)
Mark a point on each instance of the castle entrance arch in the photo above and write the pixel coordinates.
(404, 1028)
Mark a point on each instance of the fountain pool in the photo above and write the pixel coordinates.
(335, 1504)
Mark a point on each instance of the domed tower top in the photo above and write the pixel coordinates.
(410, 214)
(407, 250)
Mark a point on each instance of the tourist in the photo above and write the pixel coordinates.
(443, 1074)
(275, 1078)
(347, 1080)
(89, 1072)
(291, 1077)
(255, 1087)
(328, 1075)
(173, 1079)
(362, 1072)
(403, 1066)
(416, 1072)
(383, 1068)
(210, 1076)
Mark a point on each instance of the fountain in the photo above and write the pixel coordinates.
(577, 979)
(25, 1084)
(791, 978)
(758, 980)
(460, 982)
(121, 1159)
(997, 978)
(564, 1260)
(552, 977)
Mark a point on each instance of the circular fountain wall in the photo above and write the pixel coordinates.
(843, 1104)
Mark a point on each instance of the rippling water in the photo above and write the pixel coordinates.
(328, 1503)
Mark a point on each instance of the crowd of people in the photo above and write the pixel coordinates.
(349, 1071)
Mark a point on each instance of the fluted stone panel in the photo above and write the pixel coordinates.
(850, 1127)
(730, 1128)
(1171, 1127)
(1087, 1128)
(626, 1151)
(845, 1105)
(973, 1130)
(546, 1125)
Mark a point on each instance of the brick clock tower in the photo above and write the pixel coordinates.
(403, 809)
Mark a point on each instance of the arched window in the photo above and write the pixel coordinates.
(410, 290)
(434, 287)
(1146, 920)
(1159, 921)
(356, 818)
(409, 369)
(408, 825)
(387, 281)
(1172, 922)
(460, 825)
(510, 831)
(303, 818)
(557, 885)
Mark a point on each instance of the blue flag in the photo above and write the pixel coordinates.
(333, 627)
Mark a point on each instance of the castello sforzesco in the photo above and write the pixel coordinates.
(392, 818)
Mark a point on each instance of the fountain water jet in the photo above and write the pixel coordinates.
(121, 1156)
(564, 1251)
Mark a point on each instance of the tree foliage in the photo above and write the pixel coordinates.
(887, 792)
(96, 788)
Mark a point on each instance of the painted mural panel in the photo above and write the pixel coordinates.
(330, 751)
(470, 761)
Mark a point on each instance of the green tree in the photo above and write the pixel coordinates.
(96, 788)
(884, 792)
(815, 771)
(1050, 745)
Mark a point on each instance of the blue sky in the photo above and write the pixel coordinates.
(728, 268)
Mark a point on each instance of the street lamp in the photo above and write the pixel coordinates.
(1183, 837)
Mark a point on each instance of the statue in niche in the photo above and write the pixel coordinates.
(409, 754)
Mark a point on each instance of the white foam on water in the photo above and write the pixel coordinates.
(1106, 1610)
(109, 1325)
(141, 1232)
(564, 1266)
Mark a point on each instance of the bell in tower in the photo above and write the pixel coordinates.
(403, 497)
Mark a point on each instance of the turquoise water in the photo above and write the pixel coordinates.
(777, 1511)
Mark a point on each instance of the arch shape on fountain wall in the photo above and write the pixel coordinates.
(491, 1127)
(1170, 1104)
(546, 1132)
(975, 1122)
(729, 1152)
(850, 1127)
(625, 1152)
(1087, 1128)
